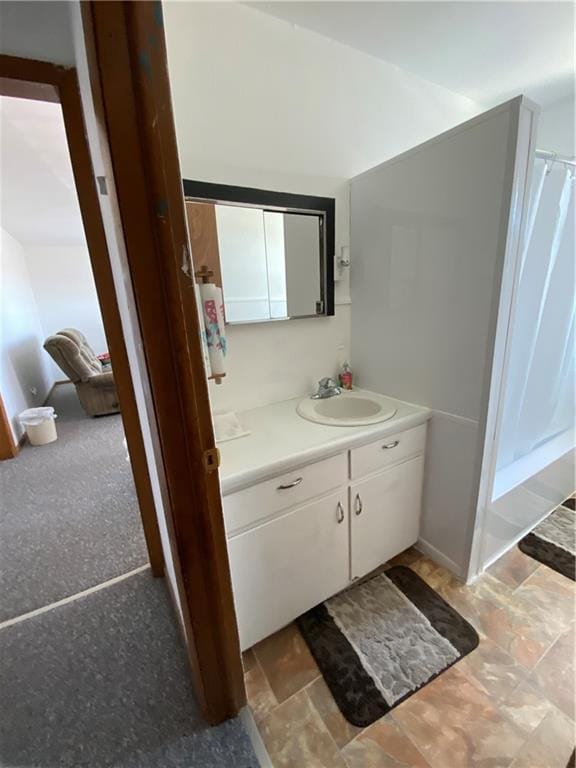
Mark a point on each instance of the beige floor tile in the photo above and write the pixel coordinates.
(490, 709)
(513, 568)
(408, 557)
(549, 746)
(342, 731)
(296, 737)
(526, 707)
(494, 669)
(552, 598)
(383, 745)
(525, 621)
(555, 674)
(539, 611)
(286, 661)
(248, 660)
(456, 724)
(434, 575)
(261, 699)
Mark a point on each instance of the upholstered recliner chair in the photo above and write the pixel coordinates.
(96, 388)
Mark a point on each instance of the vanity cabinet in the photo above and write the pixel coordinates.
(288, 565)
(296, 539)
(385, 515)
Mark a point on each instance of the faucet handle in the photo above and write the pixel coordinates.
(326, 382)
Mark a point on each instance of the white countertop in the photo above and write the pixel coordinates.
(281, 440)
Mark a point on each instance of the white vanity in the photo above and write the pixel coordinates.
(309, 508)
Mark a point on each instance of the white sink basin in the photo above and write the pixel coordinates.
(350, 409)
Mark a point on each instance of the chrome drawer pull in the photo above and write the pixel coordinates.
(357, 504)
(391, 445)
(340, 510)
(290, 485)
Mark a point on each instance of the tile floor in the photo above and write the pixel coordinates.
(509, 704)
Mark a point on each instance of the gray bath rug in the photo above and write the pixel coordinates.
(552, 542)
(380, 641)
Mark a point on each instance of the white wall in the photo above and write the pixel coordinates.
(428, 235)
(261, 103)
(25, 374)
(269, 362)
(37, 30)
(556, 129)
(63, 285)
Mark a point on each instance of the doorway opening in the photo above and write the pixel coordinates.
(87, 528)
(104, 679)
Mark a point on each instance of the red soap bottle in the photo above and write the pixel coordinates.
(346, 377)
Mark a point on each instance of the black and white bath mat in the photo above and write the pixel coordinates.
(552, 542)
(380, 641)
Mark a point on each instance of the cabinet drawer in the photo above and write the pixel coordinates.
(389, 450)
(247, 507)
(284, 567)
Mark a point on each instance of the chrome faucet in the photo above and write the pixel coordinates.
(327, 387)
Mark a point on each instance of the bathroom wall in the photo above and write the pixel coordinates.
(556, 129)
(269, 362)
(429, 232)
(37, 30)
(259, 102)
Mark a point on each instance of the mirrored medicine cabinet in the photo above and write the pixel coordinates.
(271, 252)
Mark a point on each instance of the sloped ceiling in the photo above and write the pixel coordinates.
(487, 51)
(38, 202)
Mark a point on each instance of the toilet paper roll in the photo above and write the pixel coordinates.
(213, 310)
(200, 306)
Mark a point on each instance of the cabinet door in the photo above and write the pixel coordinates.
(385, 515)
(286, 566)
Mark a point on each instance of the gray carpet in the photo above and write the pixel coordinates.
(103, 681)
(69, 514)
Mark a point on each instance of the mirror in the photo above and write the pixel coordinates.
(270, 260)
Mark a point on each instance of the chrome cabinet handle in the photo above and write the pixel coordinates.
(340, 511)
(391, 445)
(290, 485)
(357, 504)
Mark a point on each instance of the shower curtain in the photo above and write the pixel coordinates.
(539, 397)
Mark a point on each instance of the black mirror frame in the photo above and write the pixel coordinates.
(203, 190)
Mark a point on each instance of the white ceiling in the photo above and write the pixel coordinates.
(38, 202)
(488, 51)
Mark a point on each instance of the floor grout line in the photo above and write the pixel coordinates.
(303, 688)
(72, 598)
(261, 668)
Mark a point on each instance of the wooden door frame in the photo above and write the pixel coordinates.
(8, 446)
(127, 64)
(44, 81)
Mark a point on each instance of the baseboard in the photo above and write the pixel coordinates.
(249, 723)
(49, 394)
(53, 387)
(434, 554)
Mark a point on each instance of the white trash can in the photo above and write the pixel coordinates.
(39, 424)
